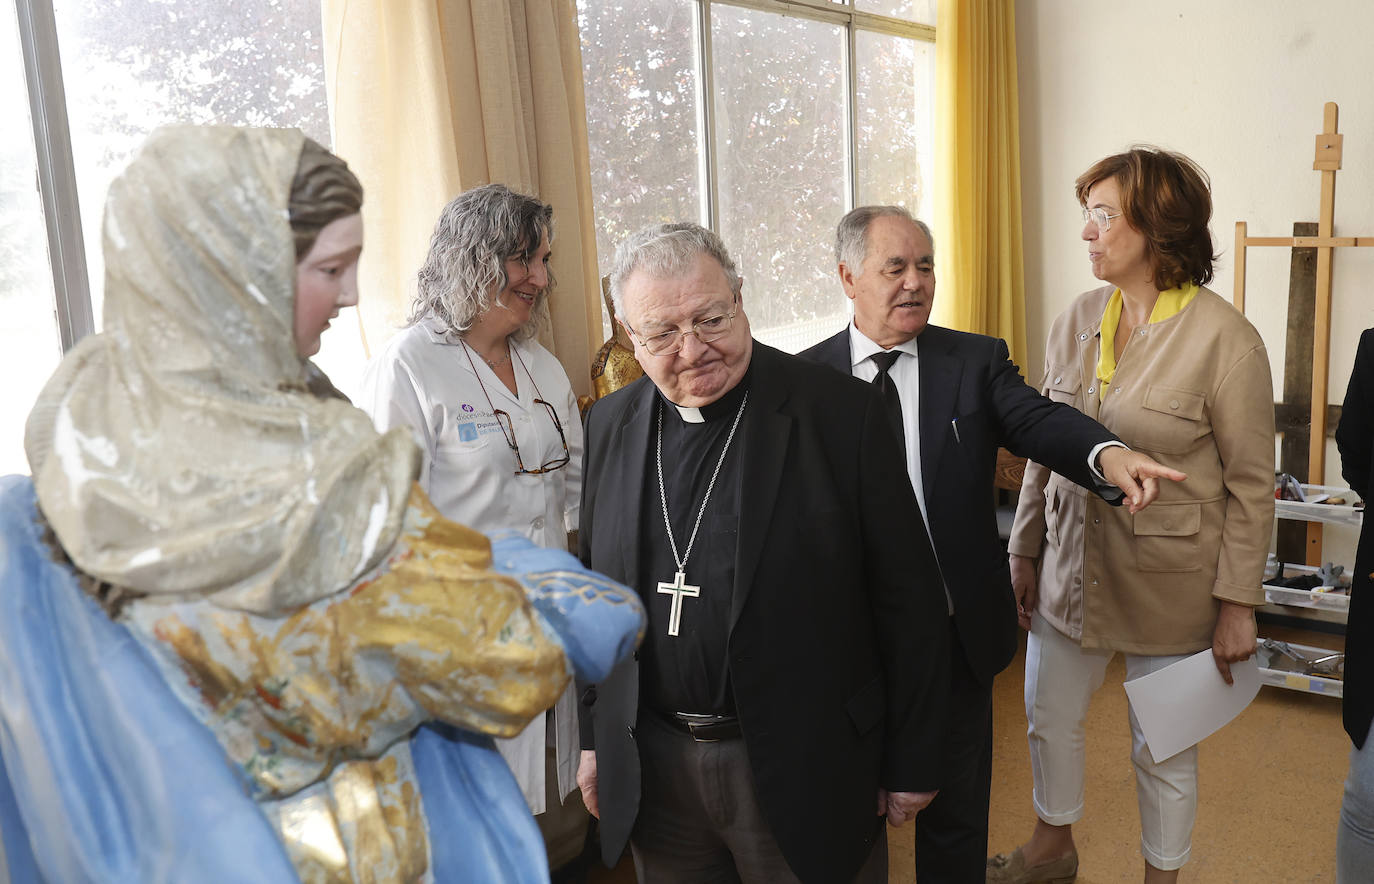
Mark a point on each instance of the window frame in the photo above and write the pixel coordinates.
(57, 190)
(851, 19)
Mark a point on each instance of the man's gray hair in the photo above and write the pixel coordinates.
(664, 251)
(851, 236)
(466, 266)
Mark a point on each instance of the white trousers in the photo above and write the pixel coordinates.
(1061, 678)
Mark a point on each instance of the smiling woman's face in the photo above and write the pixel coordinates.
(326, 280)
(526, 281)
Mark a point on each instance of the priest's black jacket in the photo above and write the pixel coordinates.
(838, 643)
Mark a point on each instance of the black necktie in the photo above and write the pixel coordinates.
(888, 387)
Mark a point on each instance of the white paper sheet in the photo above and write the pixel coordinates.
(1184, 703)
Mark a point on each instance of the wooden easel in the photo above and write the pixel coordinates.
(1291, 419)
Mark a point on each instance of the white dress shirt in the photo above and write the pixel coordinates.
(906, 374)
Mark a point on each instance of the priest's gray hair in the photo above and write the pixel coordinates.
(466, 266)
(665, 251)
(851, 236)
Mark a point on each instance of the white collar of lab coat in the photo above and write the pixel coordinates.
(434, 329)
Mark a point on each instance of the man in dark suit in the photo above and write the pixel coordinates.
(791, 686)
(1355, 439)
(956, 397)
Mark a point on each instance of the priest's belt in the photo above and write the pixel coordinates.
(704, 728)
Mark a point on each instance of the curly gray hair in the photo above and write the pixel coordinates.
(851, 235)
(466, 266)
(664, 251)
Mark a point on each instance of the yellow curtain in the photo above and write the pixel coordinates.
(978, 163)
(433, 97)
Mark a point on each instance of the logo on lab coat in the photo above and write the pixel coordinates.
(467, 426)
(473, 424)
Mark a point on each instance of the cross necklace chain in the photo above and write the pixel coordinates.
(680, 587)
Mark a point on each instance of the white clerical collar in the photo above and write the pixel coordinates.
(689, 414)
(862, 347)
(721, 409)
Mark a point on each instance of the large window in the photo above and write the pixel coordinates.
(29, 345)
(125, 69)
(763, 119)
(766, 121)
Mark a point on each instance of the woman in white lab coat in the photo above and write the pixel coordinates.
(492, 410)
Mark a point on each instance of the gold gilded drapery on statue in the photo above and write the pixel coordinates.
(314, 706)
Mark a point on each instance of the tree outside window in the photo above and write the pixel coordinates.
(771, 159)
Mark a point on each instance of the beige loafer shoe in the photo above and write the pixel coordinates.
(1012, 869)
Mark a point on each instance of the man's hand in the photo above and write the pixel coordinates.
(1024, 586)
(902, 807)
(1135, 474)
(1234, 638)
(586, 781)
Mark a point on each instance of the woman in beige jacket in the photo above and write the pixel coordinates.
(1179, 374)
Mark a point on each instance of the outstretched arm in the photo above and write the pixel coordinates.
(1136, 474)
(1060, 436)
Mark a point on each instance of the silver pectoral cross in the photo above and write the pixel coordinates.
(677, 589)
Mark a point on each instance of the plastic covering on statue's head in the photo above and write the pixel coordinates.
(178, 451)
(199, 257)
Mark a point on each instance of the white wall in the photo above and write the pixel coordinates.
(1238, 85)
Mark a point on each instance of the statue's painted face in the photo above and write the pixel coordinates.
(326, 280)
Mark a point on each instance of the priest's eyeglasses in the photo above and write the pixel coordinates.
(712, 328)
(508, 430)
(1099, 216)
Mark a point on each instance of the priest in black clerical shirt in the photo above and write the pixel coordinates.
(791, 691)
(689, 670)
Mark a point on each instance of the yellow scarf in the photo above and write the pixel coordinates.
(1167, 304)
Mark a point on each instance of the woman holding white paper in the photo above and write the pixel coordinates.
(1176, 372)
